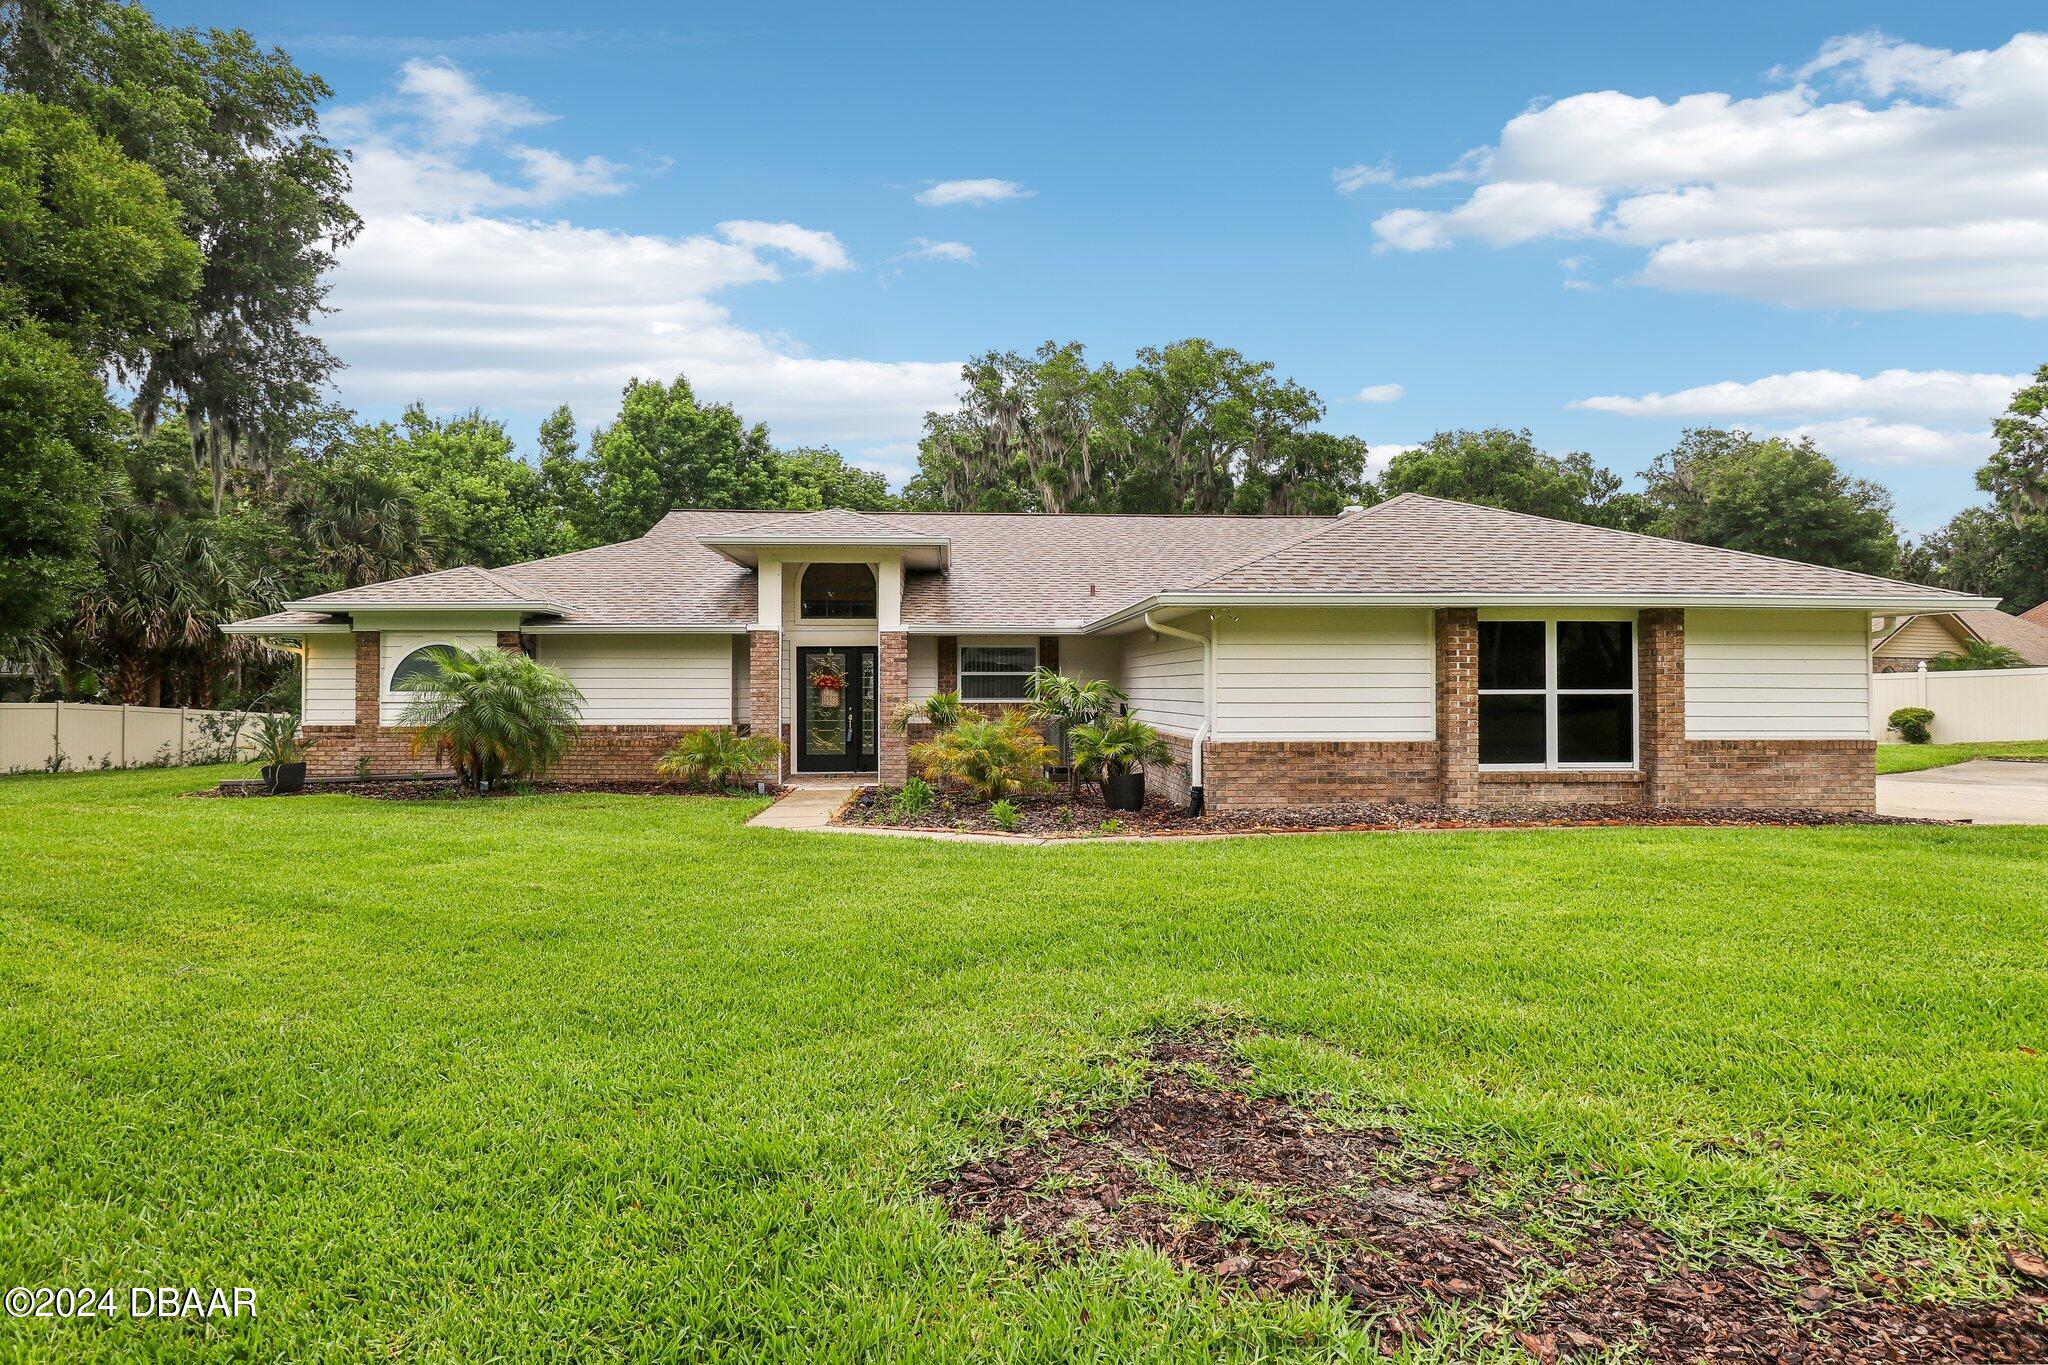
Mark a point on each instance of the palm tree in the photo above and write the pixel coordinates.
(359, 522)
(718, 758)
(1065, 703)
(495, 713)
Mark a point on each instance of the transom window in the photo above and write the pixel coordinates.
(996, 672)
(1557, 694)
(419, 666)
(837, 592)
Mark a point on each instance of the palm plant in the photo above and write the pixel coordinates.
(1977, 654)
(1118, 746)
(993, 757)
(278, 740)
(941, 710)
(1068, 702)
(718, 758)
(494, 713)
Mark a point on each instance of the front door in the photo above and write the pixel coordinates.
(835, 716)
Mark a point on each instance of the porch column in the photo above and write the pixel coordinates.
(892, 692)
(1660, 684)
(1457, 705)
(949, 663)
(369, 683)
(764, 693)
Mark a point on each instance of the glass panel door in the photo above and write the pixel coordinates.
(836, 709)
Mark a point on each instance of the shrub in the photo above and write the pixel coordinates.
(494, 713)
(1977, 654)
(991, 757)
(1116, 747)
(1911, 722)
(1003, 815)
(1069, 703)
(915, 797)
(718, 758)
(941, 710)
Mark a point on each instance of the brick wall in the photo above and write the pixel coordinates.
(1660, 683)
(1457, 705)
(949, 663)
(1248, 775)
(1561, 789)
(892, 693)
(1049, 652)
(1818, 774)
(764, 692)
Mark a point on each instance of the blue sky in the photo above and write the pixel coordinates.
(1836, 214)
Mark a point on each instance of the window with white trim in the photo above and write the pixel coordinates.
(996, 672)
(422, 665)
(1557, 694)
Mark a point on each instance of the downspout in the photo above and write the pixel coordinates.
(1208, 703)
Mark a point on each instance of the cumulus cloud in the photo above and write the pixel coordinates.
(1888, 175)
(1379, 393)
(451, 297)
(1378, 454)
(925, 249)
(948, 192)
(1898, 417)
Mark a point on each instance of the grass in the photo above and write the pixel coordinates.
(1913, 758)
(613, 1077)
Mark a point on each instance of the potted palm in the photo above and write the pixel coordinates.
(281, 749)
(1116, 752)
(1065, 704)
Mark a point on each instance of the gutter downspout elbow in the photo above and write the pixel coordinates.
(1208, 704)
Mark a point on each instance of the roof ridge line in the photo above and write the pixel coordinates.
(1324, 528)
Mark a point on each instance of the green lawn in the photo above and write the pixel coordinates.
(1913, 758)
(613, 1077)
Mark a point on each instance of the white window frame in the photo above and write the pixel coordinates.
(1024, 678)
(1550, 693)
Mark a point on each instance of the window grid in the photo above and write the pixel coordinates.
(1551, 692)
(1007, 668)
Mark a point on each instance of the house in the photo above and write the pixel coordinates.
(1903, 643)
(1419, 650)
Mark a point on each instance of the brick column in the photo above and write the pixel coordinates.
(949, 663)
(1660, 687)
(510, 642)
(764, 692)
(369, 684)
(1049, 652)
(892, 692)
(1457, 705)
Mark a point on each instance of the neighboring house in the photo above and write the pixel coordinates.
(1418, 650)
(1903, 643)
(2038, 615)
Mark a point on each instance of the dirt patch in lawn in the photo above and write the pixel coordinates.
(1268, 1198)
(1061, 816)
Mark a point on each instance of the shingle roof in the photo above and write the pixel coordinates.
(834, 523)
(2020, 634)
(465, 585)
(2037, 615)
(1417, 545)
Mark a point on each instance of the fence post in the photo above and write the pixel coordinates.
(57, 735)
(183, 713)
(1922, 671)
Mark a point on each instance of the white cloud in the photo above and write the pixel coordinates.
(1378, 454)
(446, 298)
(1917, 178)
(1379, 393)
(1898, 417)
(947, 192)
(925, 249)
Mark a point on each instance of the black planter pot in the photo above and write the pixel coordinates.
(284, 778)
(1124, 793)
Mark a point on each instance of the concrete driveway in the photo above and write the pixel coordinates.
(1984, 791)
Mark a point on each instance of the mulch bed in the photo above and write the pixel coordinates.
(412, 789)
(1397, 1231)
(1059, 816)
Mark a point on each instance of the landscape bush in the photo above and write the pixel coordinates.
(1911, 722)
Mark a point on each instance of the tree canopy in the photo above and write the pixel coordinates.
(1500, 468)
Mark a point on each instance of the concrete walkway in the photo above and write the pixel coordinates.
(1983, 791)
(807, 807)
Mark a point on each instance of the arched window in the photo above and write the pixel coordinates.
(837, 592)
(418, 666)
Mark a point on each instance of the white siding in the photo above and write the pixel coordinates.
(1325, 673)
(327, 680)
(1922, 637)
(396, 644)
(647, 679)
(1777, 674)
(924, 667)
(1088, 657)
(1163, 675)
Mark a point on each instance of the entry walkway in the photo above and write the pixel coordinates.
(809, 806)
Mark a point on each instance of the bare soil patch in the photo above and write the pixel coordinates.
(1268, 1198)
(1060, 816)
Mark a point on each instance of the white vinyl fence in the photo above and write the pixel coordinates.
(1970, 706)
(76, 737)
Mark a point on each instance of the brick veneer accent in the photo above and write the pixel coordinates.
(1457, 705)
(1250, 775)
(1561, 788)
(369, 679)
(892, 693)
(764, 693)
(949, 663)
(1660, 703)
